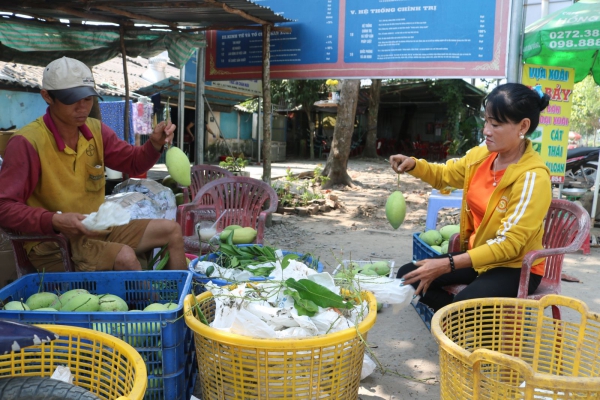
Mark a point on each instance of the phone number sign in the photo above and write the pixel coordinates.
(370, 38)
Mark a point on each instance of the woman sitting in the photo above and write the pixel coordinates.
(507, 193)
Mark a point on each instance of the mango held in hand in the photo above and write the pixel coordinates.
(395, 209)
(178, 166)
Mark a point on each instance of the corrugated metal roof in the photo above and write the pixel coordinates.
(108, 76)
(197, 13)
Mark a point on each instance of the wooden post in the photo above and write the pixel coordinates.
(266, 82)
(126, 78)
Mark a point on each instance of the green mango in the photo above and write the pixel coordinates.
(395, 209)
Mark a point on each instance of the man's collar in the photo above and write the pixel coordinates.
(60, 143)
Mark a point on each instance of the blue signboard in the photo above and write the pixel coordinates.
(417, 30)
(304, 45)
(370, 38)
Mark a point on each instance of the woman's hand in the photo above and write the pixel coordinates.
(428, 271)
(163, 133)
(401, 163)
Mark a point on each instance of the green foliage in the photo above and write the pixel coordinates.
(451, 93)
(289, 93)
(306, 191)
(467, 135)
(233, 164)
(586, 107)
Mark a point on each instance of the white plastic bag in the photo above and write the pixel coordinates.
(109, 214)
(368, 367)
(387, 290)
(62, 374)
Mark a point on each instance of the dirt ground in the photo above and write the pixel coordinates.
(359, 230)
(399, 340)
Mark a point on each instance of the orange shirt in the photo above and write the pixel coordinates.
(478, 198)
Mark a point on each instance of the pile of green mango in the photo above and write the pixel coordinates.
(438, 240)
(78, 300)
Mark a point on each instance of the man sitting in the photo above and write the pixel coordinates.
(53, 174)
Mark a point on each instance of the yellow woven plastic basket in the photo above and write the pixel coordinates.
(100, 363)
(233, 366)
(502, 348)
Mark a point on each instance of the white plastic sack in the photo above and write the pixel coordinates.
(109, 214)
(368, 367)
(247, 324)
(162, 195)
(387, 290)
(62, 374)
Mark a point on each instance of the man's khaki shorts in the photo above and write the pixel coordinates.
(90, 253)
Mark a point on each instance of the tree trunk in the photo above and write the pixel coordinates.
(337, 163)
(371, 141)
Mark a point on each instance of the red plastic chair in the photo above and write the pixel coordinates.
(201, 175)
(244, 201)
(24, 266)
(566, 226)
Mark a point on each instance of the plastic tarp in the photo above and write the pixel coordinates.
(35, 44)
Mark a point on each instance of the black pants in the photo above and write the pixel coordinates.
(496, 282)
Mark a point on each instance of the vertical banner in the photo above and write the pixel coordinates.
(551, 137)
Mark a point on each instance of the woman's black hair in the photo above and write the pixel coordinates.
(513, 102)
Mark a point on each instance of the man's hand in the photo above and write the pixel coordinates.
(401, 163)
(69, 224)
(163, 133)
(428, 271)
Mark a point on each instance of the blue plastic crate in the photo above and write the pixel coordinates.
(424, 312)
(162, 338)
(422, 250)
(201, 279)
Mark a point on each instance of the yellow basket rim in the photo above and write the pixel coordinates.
(140, 381)
(288, 343)
(536, 378)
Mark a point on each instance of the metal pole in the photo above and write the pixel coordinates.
(545, 8)
(266, 84)
(514, 41)
(595, 202)
(181, 108)
(259, 125)
(200, 133)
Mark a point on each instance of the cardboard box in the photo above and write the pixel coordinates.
(4, 136)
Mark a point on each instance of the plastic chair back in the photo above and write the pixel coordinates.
(24, 266)
(566, 226)
(244, 201)
(202, 174)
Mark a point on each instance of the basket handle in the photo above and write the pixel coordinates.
(564, 301)
(489, 356)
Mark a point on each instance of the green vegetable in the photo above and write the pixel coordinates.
(41, 300)
(110, 302)
(431, 237)
(178, 166)
(16, 306)
(83, 302)
(449, 230)
(395, 209)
